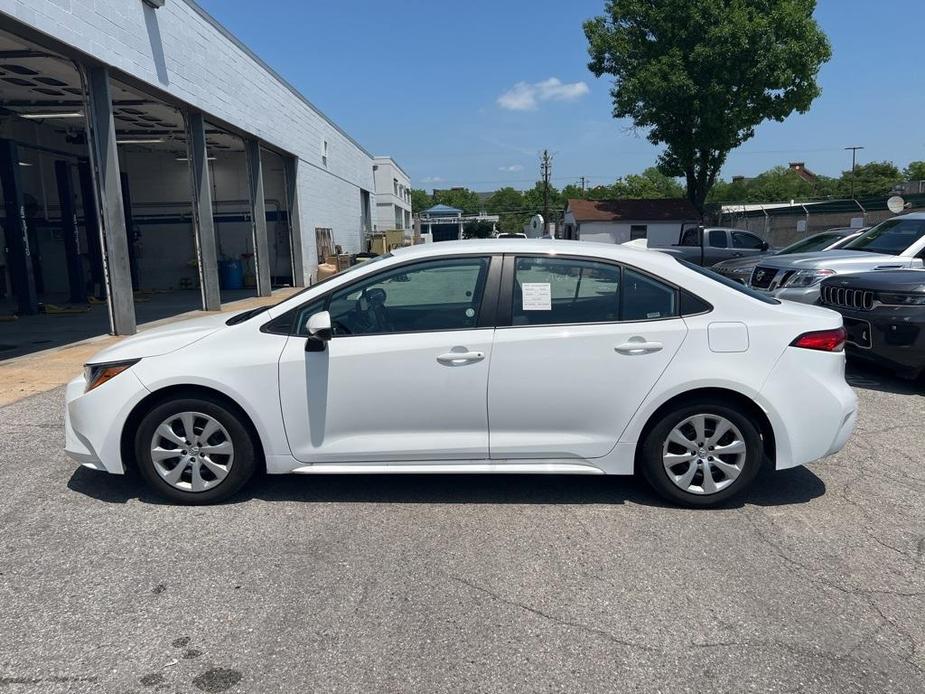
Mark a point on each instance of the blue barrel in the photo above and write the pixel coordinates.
(231, 274)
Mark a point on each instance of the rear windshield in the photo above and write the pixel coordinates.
(892, 237)
(732, 284)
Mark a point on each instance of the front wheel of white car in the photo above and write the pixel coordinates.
(194, 451)
(702, 453)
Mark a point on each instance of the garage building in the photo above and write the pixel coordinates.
(151, 164)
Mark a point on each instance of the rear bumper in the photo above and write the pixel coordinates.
(811, 407)
(93, 421)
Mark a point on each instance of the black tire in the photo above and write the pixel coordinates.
(241, 470)
(653, 444)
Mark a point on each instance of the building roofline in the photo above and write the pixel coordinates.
(279, 78)
(395, 163)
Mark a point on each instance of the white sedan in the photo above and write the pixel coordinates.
(477, 356)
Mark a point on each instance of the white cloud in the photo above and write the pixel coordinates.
(512, 167)
(432, 179)
(525, 96)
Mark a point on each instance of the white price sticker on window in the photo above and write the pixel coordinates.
(537, 296)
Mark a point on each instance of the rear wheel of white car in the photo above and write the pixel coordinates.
(702, 453)
(194, 451)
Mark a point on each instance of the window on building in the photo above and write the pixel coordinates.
(395, 185)
(324, 152)
(638, 231)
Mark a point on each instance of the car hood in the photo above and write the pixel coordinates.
(161, 340)
(840, 261)
(910, 281)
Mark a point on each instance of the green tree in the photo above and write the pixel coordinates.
(699, 77)
(915, 171)
(420, 200)
(508, 204)
(461, 198)
(477, 230)
(651, 183)
(872, 180)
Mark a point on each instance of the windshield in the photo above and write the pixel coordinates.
(892, 237)
(813, 243)
(246, 315)
(726, 282)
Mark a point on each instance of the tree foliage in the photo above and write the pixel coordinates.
(477, 230)
(700, 76)
(420, 200)
(915, 171)
(870, 180)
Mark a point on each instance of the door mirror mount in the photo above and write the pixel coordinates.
(319, 331)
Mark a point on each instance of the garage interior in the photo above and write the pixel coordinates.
(56, 268)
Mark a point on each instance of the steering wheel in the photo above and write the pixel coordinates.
(370, 313)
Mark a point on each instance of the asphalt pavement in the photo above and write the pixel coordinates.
(815, 582)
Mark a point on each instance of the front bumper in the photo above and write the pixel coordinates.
(803, 295)
(93, 421)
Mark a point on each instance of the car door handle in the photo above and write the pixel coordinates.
(634, 347)
(460, 358)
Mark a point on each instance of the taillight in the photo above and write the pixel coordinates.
(822, 340)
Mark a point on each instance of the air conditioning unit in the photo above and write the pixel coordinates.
(154, 3)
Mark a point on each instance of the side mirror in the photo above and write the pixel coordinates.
(319, 331)
(764, 245)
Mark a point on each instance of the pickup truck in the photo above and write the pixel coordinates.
(719, 244)
(896, 244)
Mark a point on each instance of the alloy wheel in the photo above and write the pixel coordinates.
(704, 454)
(192, 451)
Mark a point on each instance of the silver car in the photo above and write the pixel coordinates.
(894, 244)
(740, 269)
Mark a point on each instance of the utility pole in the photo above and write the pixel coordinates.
(854, 163)
(582, 185)
(546, 172)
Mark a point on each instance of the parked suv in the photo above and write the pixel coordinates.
(740, 269)
(895, 244)
(884, 315)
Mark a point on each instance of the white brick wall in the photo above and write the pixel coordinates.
(180, 52)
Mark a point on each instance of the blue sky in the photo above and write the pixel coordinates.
(468, 93)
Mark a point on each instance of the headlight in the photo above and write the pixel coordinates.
(807, 278)
(97, 374)
(897, 299)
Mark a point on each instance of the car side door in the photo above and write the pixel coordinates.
(579, 344)
(405, 374)
(717, 247)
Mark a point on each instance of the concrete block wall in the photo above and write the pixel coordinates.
(178, 50)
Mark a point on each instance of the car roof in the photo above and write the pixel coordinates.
(521, 246)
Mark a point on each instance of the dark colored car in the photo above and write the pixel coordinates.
(884, 314)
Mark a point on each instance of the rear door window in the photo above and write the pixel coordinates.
(564, 290)
(718, 239)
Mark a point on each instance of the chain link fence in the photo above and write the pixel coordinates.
(781, 225)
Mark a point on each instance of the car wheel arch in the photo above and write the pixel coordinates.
(127, 438)
(726, 395)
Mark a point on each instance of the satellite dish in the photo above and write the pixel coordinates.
(536, 225)
(896, 204)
